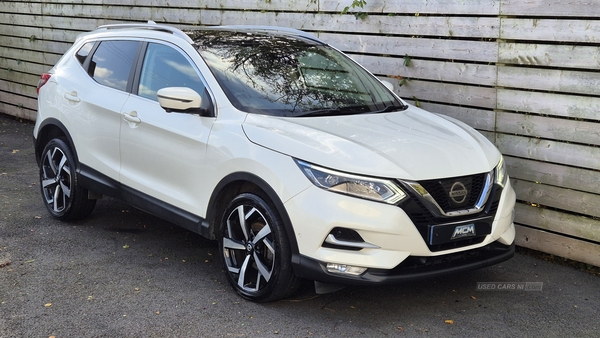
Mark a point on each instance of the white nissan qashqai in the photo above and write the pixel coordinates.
(298, 161)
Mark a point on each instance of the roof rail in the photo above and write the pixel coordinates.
(151, 25)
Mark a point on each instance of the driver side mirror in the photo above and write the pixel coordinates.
(180, 100)
(388, 85)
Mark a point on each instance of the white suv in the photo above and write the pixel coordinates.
(298, 161)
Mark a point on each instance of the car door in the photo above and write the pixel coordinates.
(93, 102)
(162, 154)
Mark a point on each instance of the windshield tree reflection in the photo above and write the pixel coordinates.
(287, 76)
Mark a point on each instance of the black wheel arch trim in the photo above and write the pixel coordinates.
(39, 145)
(208, 229)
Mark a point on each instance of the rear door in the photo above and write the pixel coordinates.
(93, 102)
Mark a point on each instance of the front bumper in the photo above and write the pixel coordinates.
(396, 250)
(413, 268)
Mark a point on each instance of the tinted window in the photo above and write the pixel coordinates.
(166, 67)
(288, 76)
(111, 63)
(84, 51)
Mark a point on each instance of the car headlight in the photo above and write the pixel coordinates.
(380, 190)
(500, 173)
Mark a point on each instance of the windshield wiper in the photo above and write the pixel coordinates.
(392, 108)
(323, 112)
(338, 111)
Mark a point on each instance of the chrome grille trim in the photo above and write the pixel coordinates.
(434, 208)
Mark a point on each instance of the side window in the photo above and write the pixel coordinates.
(166, 67)
(83, 52)
(111, 63)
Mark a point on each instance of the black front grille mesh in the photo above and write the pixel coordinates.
(438, 189)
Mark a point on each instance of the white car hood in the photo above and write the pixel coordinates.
(411, 145)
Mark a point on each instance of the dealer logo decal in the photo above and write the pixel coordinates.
(463, 231)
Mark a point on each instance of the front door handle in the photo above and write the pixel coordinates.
(132, 117)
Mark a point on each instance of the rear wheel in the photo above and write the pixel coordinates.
(255, 251)
(63, 197)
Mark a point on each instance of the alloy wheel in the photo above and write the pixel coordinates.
(56, 180)
(249, 248)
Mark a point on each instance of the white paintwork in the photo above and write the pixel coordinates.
(412, 144)
(178, 98)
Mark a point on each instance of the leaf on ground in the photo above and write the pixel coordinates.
(449, 321)
(126, 246)
(48, 305)
(15, 151)
(473, 297)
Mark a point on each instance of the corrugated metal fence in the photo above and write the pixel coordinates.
(523, 72)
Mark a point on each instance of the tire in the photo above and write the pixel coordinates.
(62, 195)
(255, 251)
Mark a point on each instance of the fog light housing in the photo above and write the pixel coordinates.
(345, 269)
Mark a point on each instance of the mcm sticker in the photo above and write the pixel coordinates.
(463, 231)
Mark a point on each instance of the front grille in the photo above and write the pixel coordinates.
(424, 220)
(440, 190)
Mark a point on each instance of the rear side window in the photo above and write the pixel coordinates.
(112, 61)
(84, 51)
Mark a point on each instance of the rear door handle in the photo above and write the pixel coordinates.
(72, 96)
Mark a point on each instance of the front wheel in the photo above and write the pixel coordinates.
(255, 251)
(63, 197)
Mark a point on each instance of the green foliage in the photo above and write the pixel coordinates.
(32, 38)
(355, 4)
(417, 102)
(407, 60)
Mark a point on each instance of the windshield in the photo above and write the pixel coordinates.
(287, 76)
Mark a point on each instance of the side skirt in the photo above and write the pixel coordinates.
(99, 183)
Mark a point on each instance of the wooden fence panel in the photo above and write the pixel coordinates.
(549, 128)
(553, 8)
(555, 80)
(554, 174)
(558, 222)
(585, 57)
(556, 244)
(442, 71)
(556, 30)
(481, 51)
(483, 120)
(571, 106)
(450, 93)
(471, 7)
(550, 151)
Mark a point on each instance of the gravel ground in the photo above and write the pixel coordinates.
(124, 273)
